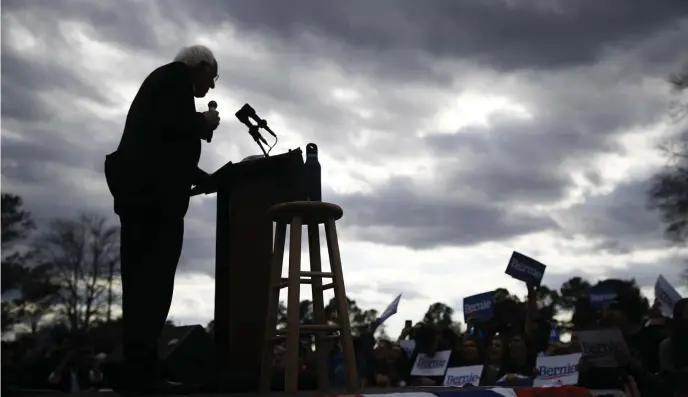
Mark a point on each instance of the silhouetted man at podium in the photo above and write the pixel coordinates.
(150, 177)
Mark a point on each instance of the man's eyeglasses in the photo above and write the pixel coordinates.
(217, 77)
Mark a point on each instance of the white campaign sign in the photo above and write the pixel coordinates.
(557, 370)
(459, 376)
(666, 295)
(598, 346)
(408, 345)
(431, 366)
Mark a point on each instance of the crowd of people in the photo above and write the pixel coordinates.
(655, 361)
(62, 362)
(507, 346)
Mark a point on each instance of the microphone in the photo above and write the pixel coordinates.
(248, 111)
(212, 105)
(244, 117)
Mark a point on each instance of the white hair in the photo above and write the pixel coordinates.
(195, 54)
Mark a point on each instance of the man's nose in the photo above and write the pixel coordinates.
(212, 84)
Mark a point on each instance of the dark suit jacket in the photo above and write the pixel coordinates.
(156, 162)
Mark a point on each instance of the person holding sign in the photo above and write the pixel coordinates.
(673, 351)
(521, 359)
(389, 365)
(623, 354)
(469, 352)
(494, 361)
(430, 358)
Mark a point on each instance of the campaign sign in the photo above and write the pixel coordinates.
(431, 366)
(390, 310)
(601, 296)
(525, 269)
(554, 334)
(460, 376)
(666, 295)
(408, 345)
(480, 307)
(557, 370)
(598, 346)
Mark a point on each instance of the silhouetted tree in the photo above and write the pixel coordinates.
(81, 252)
(31, 287)
(548, 302)
(669, 191)
(38, 295)
(358, 318)
(572, 290)
(16, 222)
(503, 293)
(439, 315)
(628, 292)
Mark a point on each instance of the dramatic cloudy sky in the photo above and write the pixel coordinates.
(451, 132)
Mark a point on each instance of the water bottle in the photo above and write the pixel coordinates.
(312, 179)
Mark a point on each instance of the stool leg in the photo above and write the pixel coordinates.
(343, 305)
(273, 303)
(321, 353)
(291, 381)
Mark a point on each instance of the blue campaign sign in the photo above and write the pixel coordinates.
(554, 333)
(525, 269)
(480, 306)
(601, 296)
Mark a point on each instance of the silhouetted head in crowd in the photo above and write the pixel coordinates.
(280, 353)
(448, 339)
(388, 351)
(625, 311)
(681, 317)
(427, 341)
(584, 316)
(679, 338)
(470, 350)
(496, 351)
(574, 346)
(518, 348)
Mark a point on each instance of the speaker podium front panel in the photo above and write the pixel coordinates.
(245, 192)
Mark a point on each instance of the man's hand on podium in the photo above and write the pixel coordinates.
(201, 183)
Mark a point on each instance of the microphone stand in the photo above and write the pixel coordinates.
(253, 130)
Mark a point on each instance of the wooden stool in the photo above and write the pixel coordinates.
(312, 214)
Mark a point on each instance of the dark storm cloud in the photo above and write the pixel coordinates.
(37, 148)
(126, 22)
(24, 79)
(503, 34)
(41, 136)
(400, 213)
(620, 221)
(522, 162)
(369, 43)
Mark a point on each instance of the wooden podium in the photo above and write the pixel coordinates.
(245, 192)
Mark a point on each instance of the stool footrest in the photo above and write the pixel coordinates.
(311, 328)
(282, 338)
(284, 282)
(317, 274)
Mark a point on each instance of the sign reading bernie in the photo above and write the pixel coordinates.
(525, 269)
